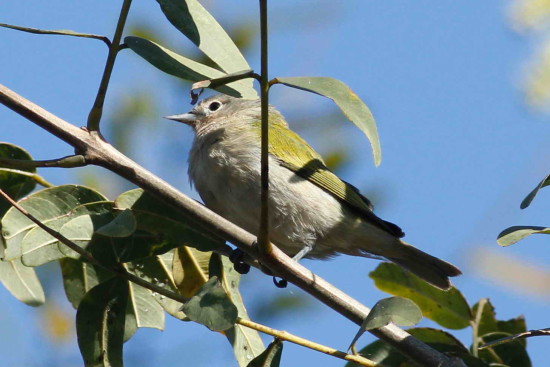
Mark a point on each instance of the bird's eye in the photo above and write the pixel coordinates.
(214, 106)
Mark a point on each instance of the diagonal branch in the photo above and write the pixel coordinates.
(97, 151)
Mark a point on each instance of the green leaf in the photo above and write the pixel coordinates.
(163, 220)
(45, 205)
(514, 234)
(350, 104)
(211, 307)
(271, 357)
(488, 322)
(22, 282)
(246, 342)
(401, 311)
(512, 353)
(448, 308)
(182, 67)
(123, 225)
(146, 311)
(79, 277)
(529, 198)
(61, 32)
(100, 323)
(194, 21)
(15, 182)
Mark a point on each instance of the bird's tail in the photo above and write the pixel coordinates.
(433, 270)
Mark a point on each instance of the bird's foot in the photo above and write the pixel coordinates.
(239, 265)
(303, 252)
(280, 283)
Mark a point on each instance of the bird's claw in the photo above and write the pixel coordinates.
(236, 257)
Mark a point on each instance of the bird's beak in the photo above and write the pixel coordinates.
(186, 118)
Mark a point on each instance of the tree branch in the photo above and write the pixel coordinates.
(98, 152)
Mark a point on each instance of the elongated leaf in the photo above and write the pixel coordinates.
(514, 234)
(354, 109)
(401, 311)
(246, 342)
(448, 308)
(194, 21)
(211, 307)
(14, 182)
(529, 198)
(45, 205)
(146, 310)
(22, 282)
(79, 277)
(182, 67)
(271, 357)
(100, 323)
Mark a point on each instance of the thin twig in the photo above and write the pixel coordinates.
(283, 335)
(60, 32)
(65, 162)
(264, 244)
(525, 334)
(97, 110)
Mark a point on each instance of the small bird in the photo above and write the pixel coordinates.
(312, 212)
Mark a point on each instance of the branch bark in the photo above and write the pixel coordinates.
(98, 152)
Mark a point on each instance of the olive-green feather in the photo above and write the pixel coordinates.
(295, 154)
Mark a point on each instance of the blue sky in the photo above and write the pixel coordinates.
(460, 149)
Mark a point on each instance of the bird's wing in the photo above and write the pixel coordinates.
(295, 154)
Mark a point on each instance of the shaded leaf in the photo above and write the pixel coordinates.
(14, 182)
(123, 225)
(514, 234)
(211, 307)
(146, 311)
(271, 357)
(79, 277)
(512, 353)
(529, 198)
(45, 205)
(21, 282)
(100, 323)
(350, 104)
(163, 220)
(182, 67)
(448, 308)
(401, 311)
(194, 21)
(246, 342)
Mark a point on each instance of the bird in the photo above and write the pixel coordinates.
(312, 212)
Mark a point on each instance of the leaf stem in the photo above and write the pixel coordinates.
(97, 110)
(283, 335)
(37, 178)
(475, 326)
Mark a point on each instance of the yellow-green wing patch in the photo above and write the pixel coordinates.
(295, 154)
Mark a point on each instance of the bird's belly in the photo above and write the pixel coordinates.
(299, 212)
